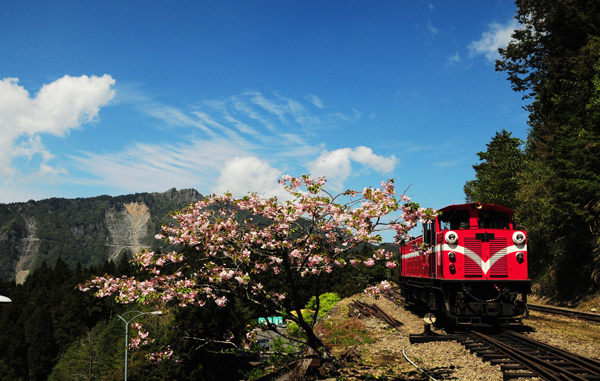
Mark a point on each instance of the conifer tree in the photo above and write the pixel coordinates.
(554, 59)
(497, 177)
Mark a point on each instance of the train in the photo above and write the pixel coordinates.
(469, 268)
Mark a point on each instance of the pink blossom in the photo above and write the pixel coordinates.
(221, 301)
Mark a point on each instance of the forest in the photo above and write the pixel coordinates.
(552, 180)
(53, 331)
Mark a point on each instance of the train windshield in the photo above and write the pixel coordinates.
(456, 219)
(489, 219)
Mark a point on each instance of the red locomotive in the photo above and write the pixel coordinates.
(475, 273)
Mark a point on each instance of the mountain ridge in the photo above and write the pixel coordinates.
(86, 231)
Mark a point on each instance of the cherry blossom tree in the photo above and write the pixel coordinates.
(223, 247)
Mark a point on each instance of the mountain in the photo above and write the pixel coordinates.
(83, 230)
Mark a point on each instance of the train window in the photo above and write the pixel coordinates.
(457, 219)
(489, 219)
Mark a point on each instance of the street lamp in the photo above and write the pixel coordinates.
(138, 314)
(4, 299)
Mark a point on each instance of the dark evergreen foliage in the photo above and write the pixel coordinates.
(497, 177)
(554, 59)
(75, 229)
(46, 315)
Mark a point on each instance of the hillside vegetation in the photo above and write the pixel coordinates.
(87, 231)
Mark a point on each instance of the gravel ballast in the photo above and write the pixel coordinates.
(386, 357)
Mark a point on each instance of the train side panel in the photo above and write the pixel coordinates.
(414, 261)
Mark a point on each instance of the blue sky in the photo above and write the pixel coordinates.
(118, 97)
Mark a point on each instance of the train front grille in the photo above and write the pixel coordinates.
(484, 251)
(472, 268)
(498, 248)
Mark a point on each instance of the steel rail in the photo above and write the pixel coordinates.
(591, 365)
(593, 317)
(545, 361)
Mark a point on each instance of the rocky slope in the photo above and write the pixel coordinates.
(85, 230)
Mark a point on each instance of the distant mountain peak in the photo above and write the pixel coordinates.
(182, 195)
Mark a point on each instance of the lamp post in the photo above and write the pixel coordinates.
(4, 299)
(138, 314)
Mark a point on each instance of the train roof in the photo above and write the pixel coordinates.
(477, 205)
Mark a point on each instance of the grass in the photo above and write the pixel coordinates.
(344, 332)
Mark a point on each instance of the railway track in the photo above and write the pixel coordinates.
(520, 356)
(565, 312)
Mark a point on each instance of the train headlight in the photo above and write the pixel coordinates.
(520, 257)
(451, 237)
(452, 256)
(519, 238)
(452, 269)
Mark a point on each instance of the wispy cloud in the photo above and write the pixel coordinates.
(316, 101)
(140, 166)
(432, 29)
(497, 36)
(446, 164)
(247, 142)
(454, 59)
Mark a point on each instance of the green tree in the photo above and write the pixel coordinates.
(497, 177)
(93, 355)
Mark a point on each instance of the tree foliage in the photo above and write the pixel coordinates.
(46, 316)
(497, 177)
(554, 60)
(51, 330)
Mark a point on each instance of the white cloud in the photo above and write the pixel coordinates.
(497, 36)
(337, 165)
(433, 30)
(255, 118)
(249, 174)
(56, 109)
(174, 116)
(237, 133)
(381, 164)
(446, 164)
(11, 192)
